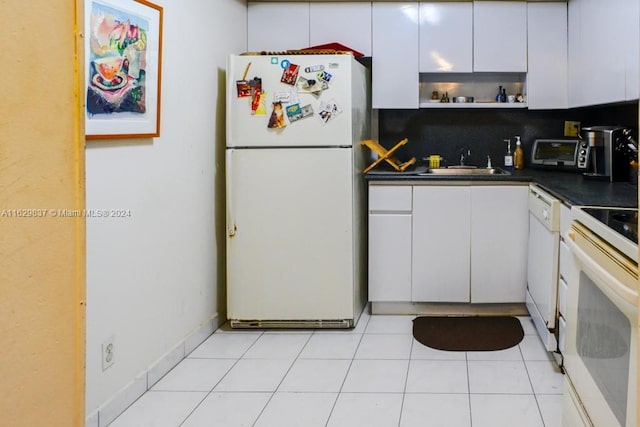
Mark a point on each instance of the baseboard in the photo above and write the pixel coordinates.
(448, 309)
(143, 382)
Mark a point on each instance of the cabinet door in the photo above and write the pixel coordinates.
(499, 234)
(547, 56)
(630, 38)
(601, 45)
(500, 36)
(598, 65)
(440, 259)
(395, 76)
(575, 59)
(446, 37)
(347, 23)
(389, 243)
(277, 26)
(389, 257)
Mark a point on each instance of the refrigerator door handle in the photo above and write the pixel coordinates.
(231, 223)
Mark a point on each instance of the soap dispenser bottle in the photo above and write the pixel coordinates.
(518, 158)
(508, 157)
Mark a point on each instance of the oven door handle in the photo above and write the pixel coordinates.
(614, 285)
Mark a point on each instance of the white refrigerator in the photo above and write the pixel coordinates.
(294, 189)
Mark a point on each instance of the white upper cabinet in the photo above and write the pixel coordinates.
(575, 67)
(547, 56)
(395, 74)
(631, 39)
(575, 53)
(277, 26)
(500, 36)
(597, 50)
(446, 37)
(346, 23)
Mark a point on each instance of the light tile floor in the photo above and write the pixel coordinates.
(373, 375)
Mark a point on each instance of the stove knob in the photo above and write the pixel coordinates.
(583, 152)
(582, 159)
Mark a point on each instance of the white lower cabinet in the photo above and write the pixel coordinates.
(440, 256)
(499, 234)
(389, 243)
(448, 243)
(390, 257)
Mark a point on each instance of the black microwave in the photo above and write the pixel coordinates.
(560, 154)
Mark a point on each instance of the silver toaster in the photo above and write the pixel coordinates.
(560, 154)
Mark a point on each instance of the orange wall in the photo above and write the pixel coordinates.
(41, 259)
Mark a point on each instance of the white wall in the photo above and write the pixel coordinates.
(154, 278)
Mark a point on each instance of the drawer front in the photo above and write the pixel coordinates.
(562, 325)
(562, 296)
(390, 198)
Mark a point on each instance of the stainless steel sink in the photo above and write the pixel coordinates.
(466, 170)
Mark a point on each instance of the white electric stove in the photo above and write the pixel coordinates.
(617, 226)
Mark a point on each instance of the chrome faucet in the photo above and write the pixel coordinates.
(464, 153)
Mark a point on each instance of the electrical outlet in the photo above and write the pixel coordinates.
(571, 128)
(108, 353)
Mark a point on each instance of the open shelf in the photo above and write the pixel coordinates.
(480, 86)
(473, 105)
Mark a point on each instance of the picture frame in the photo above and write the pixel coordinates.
(123, 68)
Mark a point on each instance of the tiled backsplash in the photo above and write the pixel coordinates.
(483, 131)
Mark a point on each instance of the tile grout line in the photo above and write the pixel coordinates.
(466, 359)
(221, 378)
(406, 381)
(283, 377)
(348, 369)
(533, 390)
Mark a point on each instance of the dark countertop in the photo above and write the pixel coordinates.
(570, 187)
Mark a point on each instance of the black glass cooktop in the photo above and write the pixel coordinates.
(622, 221)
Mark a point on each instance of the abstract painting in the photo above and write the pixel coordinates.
(123, 53)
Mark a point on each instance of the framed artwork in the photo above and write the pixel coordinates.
(123, 54)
